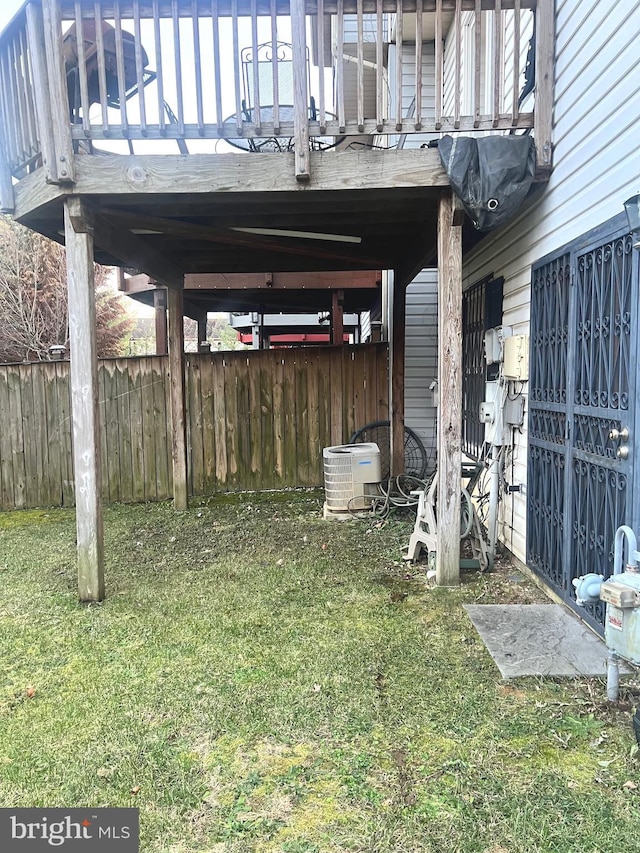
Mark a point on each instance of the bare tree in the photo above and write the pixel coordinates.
(33, 299)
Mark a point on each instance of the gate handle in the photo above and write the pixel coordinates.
(619, 435)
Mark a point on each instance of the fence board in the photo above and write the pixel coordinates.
(267, 406)
(6, 462)
(148, 432)
(123, 408)
(29, 441)
(137, 435)
(14, 388)
(53, 430)
(194, 427)
(289, 449)
(162, 428)
(208, 421)
(257, 419)
(256, 443)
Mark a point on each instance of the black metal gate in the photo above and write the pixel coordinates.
(583, 376)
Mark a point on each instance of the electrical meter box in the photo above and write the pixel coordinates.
(516, 358)
(622, 622)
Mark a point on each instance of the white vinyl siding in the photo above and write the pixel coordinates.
(596, 167)
(421, 358)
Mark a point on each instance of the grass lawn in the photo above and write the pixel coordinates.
(261, 680)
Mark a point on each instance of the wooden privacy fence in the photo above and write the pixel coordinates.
(255, 420)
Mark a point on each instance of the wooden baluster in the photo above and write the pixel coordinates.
(17, 93)
(300, 90)
(360, 65)
(82, 68)
(11, 118)
(7, 202)
(28, 91)
(139, 67)
(418, 109)
(439, 64)
(477, 59)
(321, 96)
(515, 110)
(177, 61)
(157, 39)
(340, 66)
(197, 67)
(37, 52)
(102, 70)
(275, 71)
(215, 22)
(497, 61)
(122, 80)
(257, 116)
(58, 91)
(379, 67)
(236, 65)
(458, 65)
(399, 105)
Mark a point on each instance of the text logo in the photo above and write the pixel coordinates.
(69, 830)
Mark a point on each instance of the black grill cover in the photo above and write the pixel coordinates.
(491, 174)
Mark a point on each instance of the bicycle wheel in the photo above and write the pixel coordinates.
(379, 432)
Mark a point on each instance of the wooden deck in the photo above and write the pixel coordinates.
(168, 135)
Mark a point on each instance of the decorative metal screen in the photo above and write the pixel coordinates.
(582, 383)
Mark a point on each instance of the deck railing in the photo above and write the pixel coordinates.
(188, 73)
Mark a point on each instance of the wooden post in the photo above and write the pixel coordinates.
(543, 109)
(202, 329)
(84, 400)
(337, 317)
(396, 375)
(177, 394)
(450, 391)
(160, 305)
(60, 117)
(300, 93)
(7, 204)
(42, 97)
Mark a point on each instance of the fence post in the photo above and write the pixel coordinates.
(84, 400)
(300, 91)
(59, 100)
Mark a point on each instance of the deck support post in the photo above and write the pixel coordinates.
(396, 375)
(177, 396)
(84, 400)
(202, 329)
(160, 317)
(450, 393)
(337, 317)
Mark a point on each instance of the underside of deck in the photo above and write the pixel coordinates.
(171, 216)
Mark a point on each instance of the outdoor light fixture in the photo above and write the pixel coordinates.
(632, 209)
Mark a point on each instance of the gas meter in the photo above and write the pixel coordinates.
(621, 594)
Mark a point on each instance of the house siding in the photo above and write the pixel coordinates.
(596, 167)
(421, 358)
